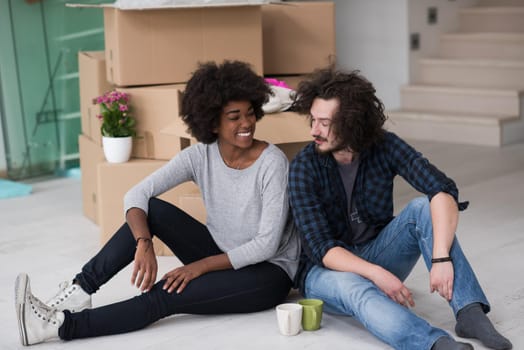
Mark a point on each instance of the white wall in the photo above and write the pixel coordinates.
(372, 37)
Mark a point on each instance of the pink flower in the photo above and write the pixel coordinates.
(115, 115)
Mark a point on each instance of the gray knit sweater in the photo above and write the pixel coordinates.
(247, 210)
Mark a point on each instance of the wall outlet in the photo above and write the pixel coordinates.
(414, 41)
(432, 15)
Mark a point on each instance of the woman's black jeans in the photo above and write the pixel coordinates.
(249, 289)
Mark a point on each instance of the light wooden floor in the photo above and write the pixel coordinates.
(46, 236)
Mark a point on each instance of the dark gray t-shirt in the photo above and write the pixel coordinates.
(360, 231)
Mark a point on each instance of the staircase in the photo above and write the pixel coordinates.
(472, 92)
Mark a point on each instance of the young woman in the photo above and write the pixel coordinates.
(248, 250)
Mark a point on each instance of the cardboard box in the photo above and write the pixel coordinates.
(299, 37)
(91, 154)
(114, 180)
(163, 46)
(283, 127)
(193, 204)
(155, 107)
(289, 131)
(291, 149)
(92, 83)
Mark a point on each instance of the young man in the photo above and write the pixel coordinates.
(355, 252)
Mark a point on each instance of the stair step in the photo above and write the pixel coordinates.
(506, 19)
(484, 102)
(491, 74)
(505, 46)
(455, 128)
(450, 118)
(501, 3)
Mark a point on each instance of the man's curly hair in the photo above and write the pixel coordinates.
(358, 123)
(211, 87)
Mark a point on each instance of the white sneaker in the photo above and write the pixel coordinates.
(70, 297)
(37, 322)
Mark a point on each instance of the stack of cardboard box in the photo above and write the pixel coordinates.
(151, 53)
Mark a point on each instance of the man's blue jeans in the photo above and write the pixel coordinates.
(397, 249)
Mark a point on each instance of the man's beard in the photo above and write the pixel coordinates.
(336, 148)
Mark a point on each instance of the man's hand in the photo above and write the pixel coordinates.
(145, 266)
(339, 259)
(393, 287)
(441, 279)
(179, 278)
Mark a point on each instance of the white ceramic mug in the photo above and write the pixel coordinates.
(289, 317)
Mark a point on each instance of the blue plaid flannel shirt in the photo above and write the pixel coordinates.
(318, 199)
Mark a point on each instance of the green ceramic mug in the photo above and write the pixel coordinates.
(311, 313)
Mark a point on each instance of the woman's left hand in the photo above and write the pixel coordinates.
(179, 278)
(441, 279)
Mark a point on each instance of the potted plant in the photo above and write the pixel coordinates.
(118, 125)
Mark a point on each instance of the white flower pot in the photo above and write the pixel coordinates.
(117, 149)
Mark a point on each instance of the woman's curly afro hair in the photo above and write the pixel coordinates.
(211, 87)
(358, 123)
